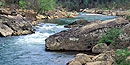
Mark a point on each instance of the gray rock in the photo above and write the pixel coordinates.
(84, 59)
(103, 57)
(5, 30)
(75, 63)
(80, 58)
(100, 48)
(99, 63)
(82, 38)
(14, 25)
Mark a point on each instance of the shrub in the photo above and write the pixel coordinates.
(47, 4)
(110, 36)
(2, 3)
(128, 17)
(122, 54)
(23, 4)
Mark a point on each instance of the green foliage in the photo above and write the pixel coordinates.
(2, 3)
(110, 36)
(122, 54)
(128, 17)
(47, 4)
(23, 4)
(114, 4)
(110, 4)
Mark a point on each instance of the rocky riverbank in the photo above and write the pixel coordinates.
(57, 13)
(85, 35)
(17, 21)
(13, 23)
(105, 58)
(108, 12)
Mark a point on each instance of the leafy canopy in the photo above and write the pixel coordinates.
(47, 4)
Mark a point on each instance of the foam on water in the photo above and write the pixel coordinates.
(30, 49)
(42, 32)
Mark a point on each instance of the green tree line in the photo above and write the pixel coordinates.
(42, 5)
(78, 4)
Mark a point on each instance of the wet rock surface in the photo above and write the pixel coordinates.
(82, 38)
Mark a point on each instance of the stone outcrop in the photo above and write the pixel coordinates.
(104, 58)
(80, 59)
(84, 59)
(56, 13)
(107, 12)
(82, 38)
(14, 25)
(100, 48)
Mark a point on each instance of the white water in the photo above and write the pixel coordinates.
(30, 49)
(42, 32)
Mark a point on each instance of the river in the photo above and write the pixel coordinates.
(30, 49)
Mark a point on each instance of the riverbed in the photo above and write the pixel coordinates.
(30, 49)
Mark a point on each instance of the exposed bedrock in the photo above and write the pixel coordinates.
(14, 25)
(83, 38)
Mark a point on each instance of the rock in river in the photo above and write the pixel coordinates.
(82, 38)
(78, 23)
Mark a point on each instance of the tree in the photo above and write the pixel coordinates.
(46, 5)
(22, 4)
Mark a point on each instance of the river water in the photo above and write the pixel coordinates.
(30, 49)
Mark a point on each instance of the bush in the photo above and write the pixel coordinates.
(110, 36)
(128, 17)
(47, 4)
(2, 3)
(122, 54)
(23, 4)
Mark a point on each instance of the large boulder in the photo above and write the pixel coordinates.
(82, 38)
(14, 25)
(84, 59)
(80, 59)
(19, 25)
(99, 63)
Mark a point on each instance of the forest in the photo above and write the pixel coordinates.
(69, 4)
